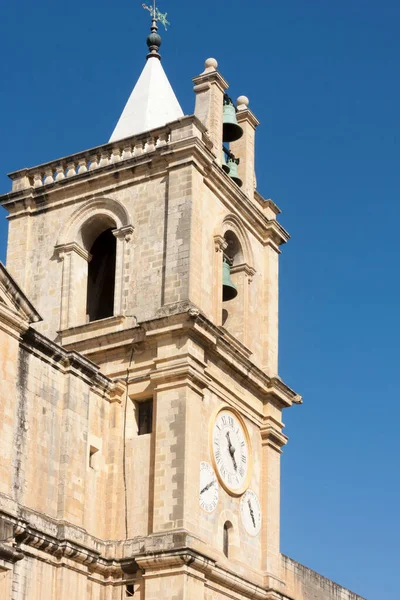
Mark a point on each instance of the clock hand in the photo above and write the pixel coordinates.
(231, 450)
(207, 487)
(251, 513)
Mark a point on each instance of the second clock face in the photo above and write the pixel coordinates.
(250, 511)
(208, 487)
(231, 451)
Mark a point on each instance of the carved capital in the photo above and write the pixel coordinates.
(220, 243)
(63, 249)
(271, 434)
(246, 269)
(124, 233)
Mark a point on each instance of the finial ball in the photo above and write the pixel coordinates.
(243, 101)
(153, 40)
(211, 63)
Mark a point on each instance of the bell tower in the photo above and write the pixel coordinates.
(153, 262)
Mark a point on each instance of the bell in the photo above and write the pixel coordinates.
(229, 290)
(224, 165)
(231, 129)
(233, 170)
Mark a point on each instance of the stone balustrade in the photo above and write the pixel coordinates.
(90, 160)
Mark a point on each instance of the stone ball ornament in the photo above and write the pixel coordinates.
(154, 39)
(211, 64)
(242, 102)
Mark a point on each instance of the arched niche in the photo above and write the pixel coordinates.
(94, 224)
(235, 234)
(236, 250)
(228, 534)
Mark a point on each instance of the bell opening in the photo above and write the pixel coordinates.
(229, 290)
(228, 293)
(224, 165)
(231, 131)
(233, 170)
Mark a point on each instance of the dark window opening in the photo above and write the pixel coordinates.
(92, 457)
(101, 277)
(227, 527)
(130, 590)
(145, 417)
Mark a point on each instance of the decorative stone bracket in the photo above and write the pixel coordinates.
(220, 243)
(246, 269)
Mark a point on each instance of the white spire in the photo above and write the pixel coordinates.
(151, 104)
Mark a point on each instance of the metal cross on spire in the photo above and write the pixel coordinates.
(156, 14)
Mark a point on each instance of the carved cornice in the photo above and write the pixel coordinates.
(215, 339)
(193, 149)
(246, 114)
(203, 81)
(124, 233)
(246, 269)
(16, 297)
(192, 562)
(238, 203)
(267, 203)
(70, 361)
(176, 373)
(151, 555)
(220, 243)
(271, 434)
(61, 250)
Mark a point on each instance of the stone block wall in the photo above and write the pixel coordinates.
(304, 584)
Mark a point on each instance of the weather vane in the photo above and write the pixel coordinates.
(157, 15)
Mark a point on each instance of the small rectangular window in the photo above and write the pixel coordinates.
(145, 417)
(130, 590)
(92, 457)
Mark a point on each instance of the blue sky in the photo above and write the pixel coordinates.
(323, 78)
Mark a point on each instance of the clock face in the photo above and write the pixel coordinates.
(208, 487)
(231, 451)
(250, 512)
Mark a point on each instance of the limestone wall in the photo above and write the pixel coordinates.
(304, 584)
(52, 415)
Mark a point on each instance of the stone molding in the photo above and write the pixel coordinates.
(234, 199)
(191, 562)
(102, 206)
(71, 361)
(220, 243)
(246, 114)
(232, 223)
(16, 299)
(193, 149)
(246, 269)
(124, 233)
(61, 250)
(83, 164)
(203, 81)
(216, 340)
(150, 555)
(186, 371)
(271, 434)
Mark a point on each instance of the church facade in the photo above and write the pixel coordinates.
(141, 408)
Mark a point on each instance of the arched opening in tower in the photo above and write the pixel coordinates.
(101, 277)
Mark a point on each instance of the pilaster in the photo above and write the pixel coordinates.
(270, 331)
(124, 255)
(272, 441)
(74, 260)
(220, 244)
(209, 89)
(244, 148)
